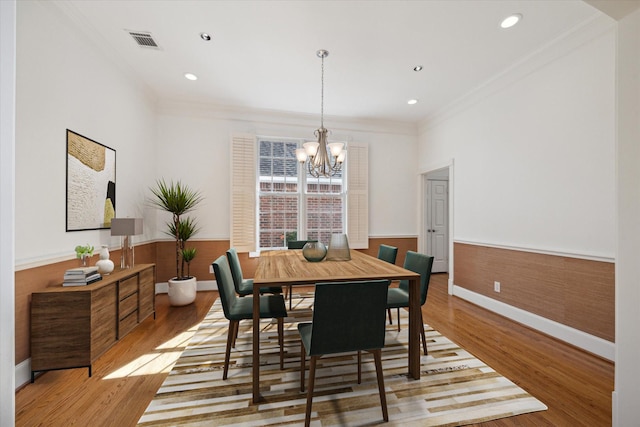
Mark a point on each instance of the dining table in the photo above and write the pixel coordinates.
(289, 267)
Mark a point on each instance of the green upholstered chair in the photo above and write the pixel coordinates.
(245, 286)
(237, 309)
(296, 244)
(389, 254)
(293, 244)
(340, 326)
(399, 297)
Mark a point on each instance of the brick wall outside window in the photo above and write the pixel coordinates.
(281, 204)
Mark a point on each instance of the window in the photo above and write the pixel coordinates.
(292, 205)
(273, 201)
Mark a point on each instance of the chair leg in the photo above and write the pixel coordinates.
(302, 360)
(290, 296)
(359, 367)
(312, 379)
(232, 325)
(423, 336)
(235, 334)
(398, 309)
(281, 341)
(389, 313)
(377, 356)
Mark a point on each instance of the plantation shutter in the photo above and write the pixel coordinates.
(243, 192)
(358, 195)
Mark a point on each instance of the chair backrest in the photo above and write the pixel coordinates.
(388, 253)
(296, 244)
(224, 280)
(348, 316)
(236, 269)
(419, 263)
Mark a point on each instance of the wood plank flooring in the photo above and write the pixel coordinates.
(576, 386)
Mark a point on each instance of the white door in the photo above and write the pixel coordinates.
(437, 228)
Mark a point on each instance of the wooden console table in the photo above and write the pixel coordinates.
(71, 326)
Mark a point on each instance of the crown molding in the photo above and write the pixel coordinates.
(305, 121)
(557, 48)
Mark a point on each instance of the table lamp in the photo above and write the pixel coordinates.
(126, 227)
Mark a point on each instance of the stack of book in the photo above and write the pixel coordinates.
(81, 276)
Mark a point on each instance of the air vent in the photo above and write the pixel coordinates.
(144, 39)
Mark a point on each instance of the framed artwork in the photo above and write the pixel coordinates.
(91, 183)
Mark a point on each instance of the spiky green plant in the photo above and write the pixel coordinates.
(188, 255)
(178, 199)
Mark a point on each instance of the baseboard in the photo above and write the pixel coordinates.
(203, 285)
(23, 373)
(590, 343)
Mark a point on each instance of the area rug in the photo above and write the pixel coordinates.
(455, 387)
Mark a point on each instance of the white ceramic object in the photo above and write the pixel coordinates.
(182, 292)
(105, 265)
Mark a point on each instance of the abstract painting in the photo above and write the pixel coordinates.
(91, 183)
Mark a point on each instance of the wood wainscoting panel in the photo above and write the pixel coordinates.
(207, 252)
(575, 292)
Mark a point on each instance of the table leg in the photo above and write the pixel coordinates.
(414, 328)
(256, 344)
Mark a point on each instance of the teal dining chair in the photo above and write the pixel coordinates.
(399, 297)
(236, 309)
(293, 244)
(244, 286)
(388, 253)
(340, 326)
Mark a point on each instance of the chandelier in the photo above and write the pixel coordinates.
(323, 159)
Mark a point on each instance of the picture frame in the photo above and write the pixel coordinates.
(91, 184)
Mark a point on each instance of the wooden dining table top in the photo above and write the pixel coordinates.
(290, 266)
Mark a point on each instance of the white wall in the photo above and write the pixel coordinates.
(627, 376)
(204, 133)
(65, 81)
(534, 154)
(7, 211)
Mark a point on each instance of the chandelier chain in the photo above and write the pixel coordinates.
(322, 93)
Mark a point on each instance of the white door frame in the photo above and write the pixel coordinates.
(422, 232)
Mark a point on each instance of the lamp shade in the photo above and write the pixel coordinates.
(126, 226)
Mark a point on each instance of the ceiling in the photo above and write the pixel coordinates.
(262, 54)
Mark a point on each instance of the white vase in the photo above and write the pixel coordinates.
(182, 292)
(105, 265)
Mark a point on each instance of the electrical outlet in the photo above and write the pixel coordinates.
(211, 268)
(496, 286)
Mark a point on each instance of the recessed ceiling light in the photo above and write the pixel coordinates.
(412, 101)
(190, 76)
(510, 21)
(417, 68)
(204, 36)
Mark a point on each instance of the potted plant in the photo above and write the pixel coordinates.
(83, 253)
(178, 199)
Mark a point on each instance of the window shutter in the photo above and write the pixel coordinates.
(243, 192)
(358, 195)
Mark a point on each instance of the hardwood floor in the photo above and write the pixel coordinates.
(576, 386)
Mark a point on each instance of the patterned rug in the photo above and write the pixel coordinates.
(455, 388)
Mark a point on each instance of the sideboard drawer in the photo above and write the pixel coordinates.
(127, 324)
(127, 286)
(128, 306)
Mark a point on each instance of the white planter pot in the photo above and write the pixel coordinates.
(182, 292)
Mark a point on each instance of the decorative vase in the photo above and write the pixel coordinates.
(339, 248)
(182, 292)
(314, 251)
(105, 265)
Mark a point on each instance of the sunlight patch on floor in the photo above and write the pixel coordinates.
(161, 360)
